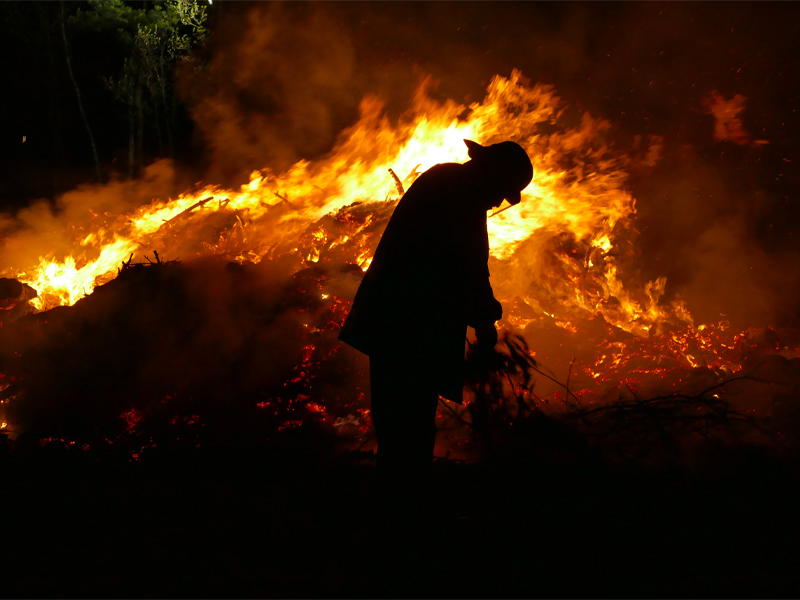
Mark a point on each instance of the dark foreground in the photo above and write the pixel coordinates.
(241, 524)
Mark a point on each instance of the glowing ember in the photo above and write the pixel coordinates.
(727, 122)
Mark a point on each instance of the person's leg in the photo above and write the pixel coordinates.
(384, 410)
(421, 432)
(403, 411)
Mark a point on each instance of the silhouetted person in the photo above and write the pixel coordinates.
(429, 280)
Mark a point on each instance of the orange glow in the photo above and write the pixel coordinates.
(586, 201)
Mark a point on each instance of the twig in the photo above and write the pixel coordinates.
(455, 414)
(631, 390)
(569, 392)
(569, 372)
(397, 182)
(198, 204)
(284, 199)
(497, 212)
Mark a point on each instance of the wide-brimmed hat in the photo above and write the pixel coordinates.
(510, 159)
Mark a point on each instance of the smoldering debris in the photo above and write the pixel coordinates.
(242, 352)
(509, 416)
(237, 347)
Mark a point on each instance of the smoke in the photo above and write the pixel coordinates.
(282, 83)
(732, 278)
(700, 229)
(50, 228)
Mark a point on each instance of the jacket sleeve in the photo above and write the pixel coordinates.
(480, 304)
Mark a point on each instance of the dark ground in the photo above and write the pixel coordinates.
(243, 524)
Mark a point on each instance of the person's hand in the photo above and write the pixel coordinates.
(486, 334)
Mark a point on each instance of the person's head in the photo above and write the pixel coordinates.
(503, 170)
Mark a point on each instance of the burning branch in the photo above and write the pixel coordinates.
(284, 199)
(397, 182)
(186, 212)
(497, 212)
(414, 174)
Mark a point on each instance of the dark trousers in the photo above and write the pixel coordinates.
(404, 401)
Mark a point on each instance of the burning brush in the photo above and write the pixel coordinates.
(509, 420)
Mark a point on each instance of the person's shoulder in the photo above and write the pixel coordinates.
(440, 174)
(442, 169)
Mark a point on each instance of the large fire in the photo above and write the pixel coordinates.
(559, 258)
(587, 200)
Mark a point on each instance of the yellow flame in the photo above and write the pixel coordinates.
(60, 283)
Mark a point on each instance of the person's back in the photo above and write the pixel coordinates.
(429, 280)
(432, 252)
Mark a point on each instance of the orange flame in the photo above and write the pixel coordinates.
(578, 191)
